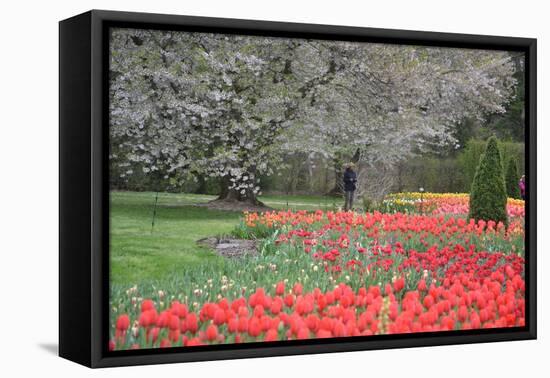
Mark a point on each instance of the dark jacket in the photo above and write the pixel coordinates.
(350, 178)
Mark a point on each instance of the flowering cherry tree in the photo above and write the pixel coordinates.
(230, 106)
(392, 102)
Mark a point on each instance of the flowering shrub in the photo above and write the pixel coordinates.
(336, 274)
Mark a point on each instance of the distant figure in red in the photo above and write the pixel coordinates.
(522, 187)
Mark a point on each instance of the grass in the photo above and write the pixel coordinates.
(293, 202)
(140, 252)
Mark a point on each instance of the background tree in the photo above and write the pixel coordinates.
(390, 103)
(488, 195)
(469, 156)
(230, 107)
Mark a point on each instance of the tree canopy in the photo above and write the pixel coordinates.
(229, 106)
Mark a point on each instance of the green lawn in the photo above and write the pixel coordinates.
(140, 253)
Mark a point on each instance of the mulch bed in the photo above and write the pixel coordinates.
(231, 248)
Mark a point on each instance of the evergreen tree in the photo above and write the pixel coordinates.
(488, 194)
(512, 179)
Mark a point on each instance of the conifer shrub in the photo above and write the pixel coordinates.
(488, 195)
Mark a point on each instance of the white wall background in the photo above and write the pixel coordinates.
(29, 186)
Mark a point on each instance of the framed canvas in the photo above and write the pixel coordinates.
(235, 188)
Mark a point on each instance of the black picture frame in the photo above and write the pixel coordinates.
(84, 190)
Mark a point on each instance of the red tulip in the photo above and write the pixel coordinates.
(254, 327)
(428, 301)
(147, 305)
(146, 318)
(154, 334)
(297, 289)
(211, 332)
(289, 300)
(280, 288)
(219, 317)
(388, 289)
(123, 322)
(174, 335)
(399, 284)
(243, 324)
(174, 322)
(276, 306)
(462, 313)
(194, 342)
(233, 325)
(258, 311)
(271, 335)
(303, 333)
(192, 323)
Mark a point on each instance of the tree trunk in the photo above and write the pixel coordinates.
(400, 169)
(337, 189)
(310, 183)
(232, 195)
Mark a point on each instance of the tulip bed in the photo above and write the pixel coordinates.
(335, 274)
(441, 203)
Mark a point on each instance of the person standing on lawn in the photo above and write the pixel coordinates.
(350, 179)
(522, 187)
